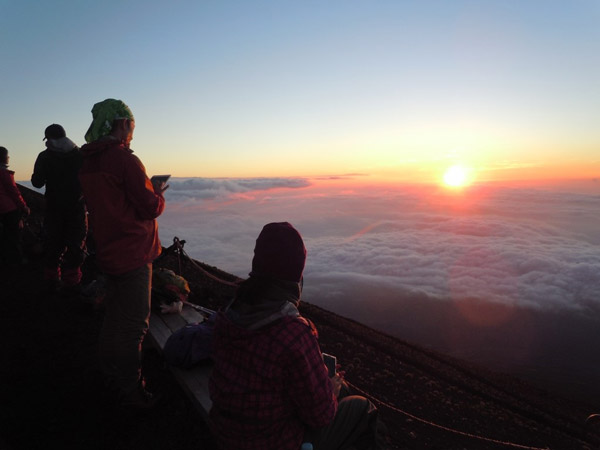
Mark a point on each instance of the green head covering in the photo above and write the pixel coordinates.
(103, 115)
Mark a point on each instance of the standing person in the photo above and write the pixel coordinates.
(12, 209)
(65, 220)
(270, 387)
(123, 206)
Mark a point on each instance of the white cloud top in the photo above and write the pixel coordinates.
(529, 247)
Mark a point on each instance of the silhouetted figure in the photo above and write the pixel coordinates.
(65, 221)
(123, 206)
(270, 387)
(12, 210)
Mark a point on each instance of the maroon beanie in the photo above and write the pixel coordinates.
(279, 253)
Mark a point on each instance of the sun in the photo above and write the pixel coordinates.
(456, 176)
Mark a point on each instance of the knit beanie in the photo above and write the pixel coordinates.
(54, 131)
(103, 115)
(279, 253)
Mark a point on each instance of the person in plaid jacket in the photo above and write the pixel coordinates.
(270, 387)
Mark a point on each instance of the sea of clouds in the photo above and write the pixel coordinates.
(505, 276)
(531, 247)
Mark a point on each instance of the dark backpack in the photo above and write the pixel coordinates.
(190, 345)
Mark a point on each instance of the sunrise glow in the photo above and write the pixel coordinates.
(456, 176)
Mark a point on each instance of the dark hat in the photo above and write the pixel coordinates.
(54, 131)
(279, 253)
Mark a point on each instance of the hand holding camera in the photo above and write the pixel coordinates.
(159, 183)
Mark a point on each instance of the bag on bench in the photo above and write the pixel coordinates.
(169, 290)
(190, 345)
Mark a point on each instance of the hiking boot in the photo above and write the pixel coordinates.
(139, 399)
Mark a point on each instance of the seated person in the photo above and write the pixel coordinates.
(270, 387)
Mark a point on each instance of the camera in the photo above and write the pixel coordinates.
(331, 363)
(159, 178)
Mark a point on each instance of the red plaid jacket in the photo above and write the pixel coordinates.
(268, 385)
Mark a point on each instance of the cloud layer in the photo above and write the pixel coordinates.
(535, 248)
(221, 188)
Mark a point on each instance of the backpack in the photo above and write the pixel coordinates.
(168, 287)
(190, 345)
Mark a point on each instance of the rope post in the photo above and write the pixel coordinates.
(178, 251)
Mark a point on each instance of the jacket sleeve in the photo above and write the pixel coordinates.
(8, 180)
(38, 177)
(310, 388)
(148, 204)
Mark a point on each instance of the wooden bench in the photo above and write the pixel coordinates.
(193, 381)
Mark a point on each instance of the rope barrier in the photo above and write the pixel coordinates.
(180, 251)
(441, 427)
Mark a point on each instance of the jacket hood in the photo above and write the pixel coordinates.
(278, 300)
(102, 145)
(230, 330)
(61, 145)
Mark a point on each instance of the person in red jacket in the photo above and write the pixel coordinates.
(270, 387)
(123, 206)
(12, 208)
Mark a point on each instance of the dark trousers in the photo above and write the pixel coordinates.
(354, 426)
(126, 322)
(64, 245)
(10, 247)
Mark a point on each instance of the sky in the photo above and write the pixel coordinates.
(396, 90)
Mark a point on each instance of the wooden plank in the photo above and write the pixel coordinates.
(173, 321)
(193, 381)
(159, 332)
(190, 315)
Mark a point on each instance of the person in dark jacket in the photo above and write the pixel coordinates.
(123, 206)
(12, 209)
(270, 387)
(65, 221)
